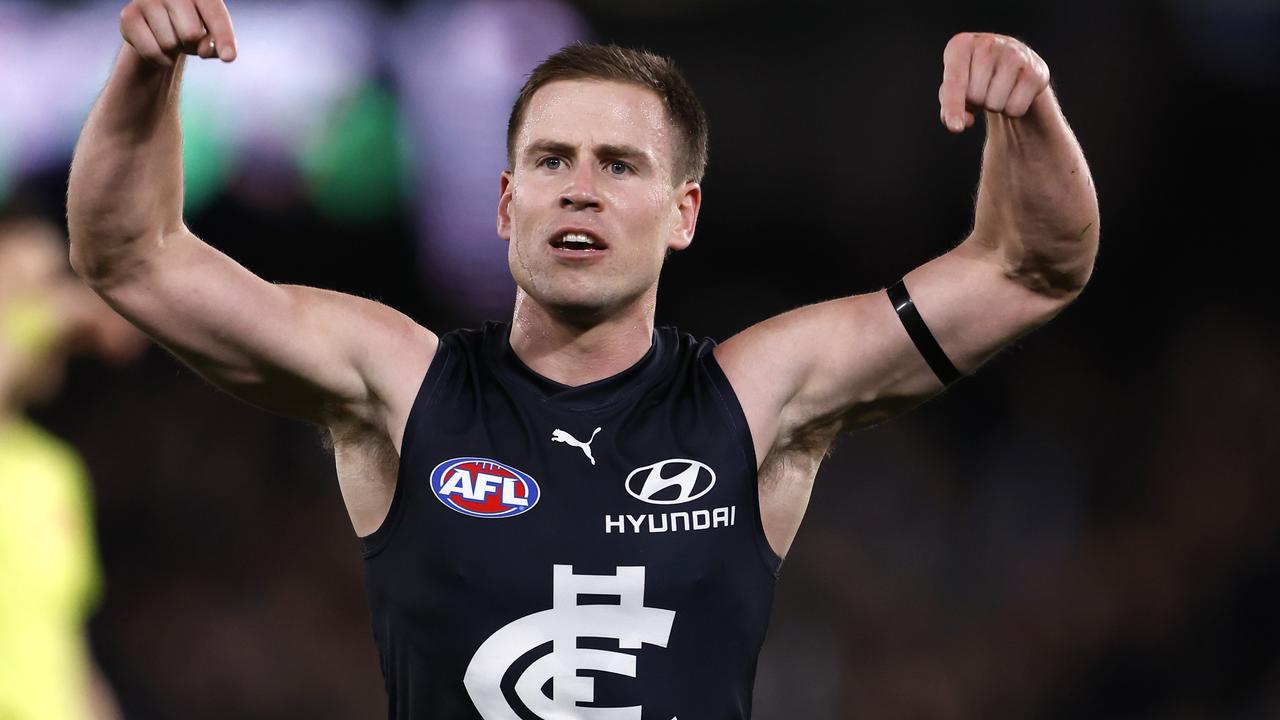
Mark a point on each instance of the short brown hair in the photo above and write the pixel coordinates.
(590, 61)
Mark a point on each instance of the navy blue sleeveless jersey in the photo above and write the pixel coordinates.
(556, 552)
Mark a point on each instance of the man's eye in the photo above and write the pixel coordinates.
(552, 163)
(618, 168)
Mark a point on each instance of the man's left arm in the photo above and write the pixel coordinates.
(850, 362)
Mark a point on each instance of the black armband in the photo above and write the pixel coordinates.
(920, 335)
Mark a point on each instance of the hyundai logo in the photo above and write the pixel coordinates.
(671, 482)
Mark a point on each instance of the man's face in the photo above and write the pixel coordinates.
(590, 207)
(34, 279)
(46, 313)
(32, 262)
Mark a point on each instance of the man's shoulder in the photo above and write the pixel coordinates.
(474, 335)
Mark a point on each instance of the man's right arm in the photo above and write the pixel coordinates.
(316, 355)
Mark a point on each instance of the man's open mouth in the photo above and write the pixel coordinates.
(577, 241)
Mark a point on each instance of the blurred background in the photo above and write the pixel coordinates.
(1085, 529)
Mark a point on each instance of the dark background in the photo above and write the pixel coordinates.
(1085, 529)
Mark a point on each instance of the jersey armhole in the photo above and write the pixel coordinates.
(374, 542)
(738, 420)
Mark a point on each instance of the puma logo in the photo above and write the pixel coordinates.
(566, 438)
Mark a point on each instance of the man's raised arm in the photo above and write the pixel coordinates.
(852, 362)
(317, 355)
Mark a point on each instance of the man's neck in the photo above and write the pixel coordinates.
(579, 353)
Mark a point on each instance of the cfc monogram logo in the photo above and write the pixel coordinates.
(629, 622)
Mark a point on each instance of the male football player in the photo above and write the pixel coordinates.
(574, 514)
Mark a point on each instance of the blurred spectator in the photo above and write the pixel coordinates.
(49, 575)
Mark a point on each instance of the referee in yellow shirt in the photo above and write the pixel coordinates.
(49, 575)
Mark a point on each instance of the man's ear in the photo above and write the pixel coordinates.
(689, 202)
(505, 192)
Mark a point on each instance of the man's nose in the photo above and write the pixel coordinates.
(581, 192)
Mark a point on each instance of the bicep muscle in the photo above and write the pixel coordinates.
(303, 352)
(851, 363)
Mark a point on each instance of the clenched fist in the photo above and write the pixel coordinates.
(982, 71)
(161, 30)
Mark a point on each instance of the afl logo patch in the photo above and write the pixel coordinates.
(483, 488)
(671, 482)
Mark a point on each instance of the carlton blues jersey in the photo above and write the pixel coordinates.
(557, 552)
